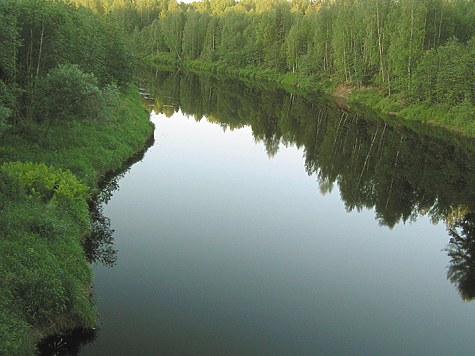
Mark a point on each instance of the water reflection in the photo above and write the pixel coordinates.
(67, 343)
(99, 246)
(461, 250)
(402, 170)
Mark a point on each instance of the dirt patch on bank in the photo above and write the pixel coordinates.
(342, 91)
(340, 95)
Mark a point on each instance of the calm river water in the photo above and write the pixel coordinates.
(262, 234)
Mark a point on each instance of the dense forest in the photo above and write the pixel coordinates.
(68, 113)
(53, 48)
(419, 51)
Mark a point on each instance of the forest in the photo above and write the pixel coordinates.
(54, 48)
(417, 53)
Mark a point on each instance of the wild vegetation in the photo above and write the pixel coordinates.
(415, 55)
(68, 114)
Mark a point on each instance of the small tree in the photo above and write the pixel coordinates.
(69, 90)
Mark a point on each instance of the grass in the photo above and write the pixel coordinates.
(44, 274)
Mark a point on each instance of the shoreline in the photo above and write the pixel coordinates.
(47, 284)
(344, 94)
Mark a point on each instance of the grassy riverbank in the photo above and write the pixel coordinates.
(44, 217)
(460, 118)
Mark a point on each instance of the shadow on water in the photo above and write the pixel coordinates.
(401, 169)
(67, 343)
(99, 249)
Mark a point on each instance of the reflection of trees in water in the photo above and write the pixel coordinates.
(399, 172)
(461, 250)
(99, 245)
(377, 164)
(67, 343)
(99, 248)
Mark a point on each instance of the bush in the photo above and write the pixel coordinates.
(46, 183)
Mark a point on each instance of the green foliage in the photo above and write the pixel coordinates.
(46, 183)
(173, 28)
(14, 331)
(40, 36)
(319, 50)
(368, 42)
(441, 81)
(64, 65)
(69, 92)
(42, 267)
(408, 39)
(463, 116)
(232, 41)
(73, 92)
(212, 40)
(194, 34)
(88, 148)
(5, 112)
(8, 39)
(44, 217)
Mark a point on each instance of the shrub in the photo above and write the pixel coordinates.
(46, 183)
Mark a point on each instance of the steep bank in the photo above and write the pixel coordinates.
(44, 217)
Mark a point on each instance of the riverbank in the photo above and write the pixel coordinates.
(459, 118)
(44, 218)
(290, 81)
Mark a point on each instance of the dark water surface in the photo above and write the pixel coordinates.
(236, 242)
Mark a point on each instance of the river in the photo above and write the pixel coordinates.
(249, 228)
